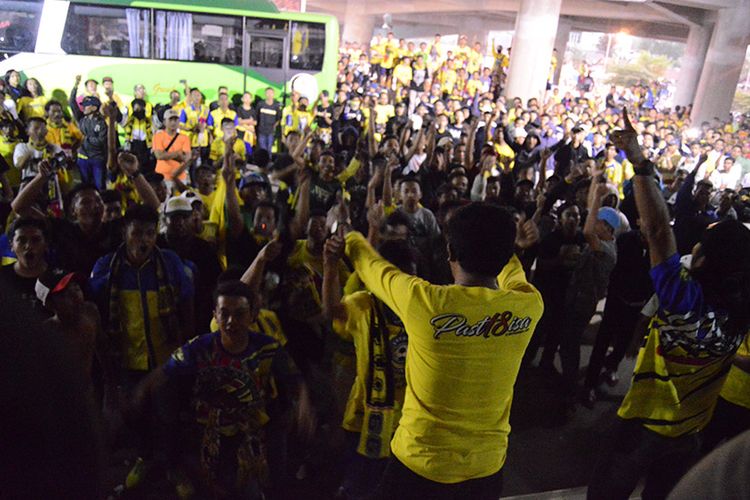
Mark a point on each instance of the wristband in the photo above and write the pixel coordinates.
(646, 167)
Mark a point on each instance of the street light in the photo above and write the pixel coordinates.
(621, 36)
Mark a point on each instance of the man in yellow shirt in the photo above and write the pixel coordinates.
(466, 342)
(701, 320)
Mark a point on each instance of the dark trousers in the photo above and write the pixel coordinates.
(265, 141)
(616, 329)
(578, 313)
(728, 421)
(400, 482)
(637, 452)
(92, 172)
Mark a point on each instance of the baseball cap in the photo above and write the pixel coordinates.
(192, 197)
(170, 113)
(251, 179)
(178, 204)
(91, 100)
(107, 79)
(53, 281)
(610, 216)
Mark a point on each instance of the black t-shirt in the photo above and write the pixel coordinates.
(323, 193)
(23, 288)
(77, 252)
(267, 115)
(244, 114)
(324, 111)
(554, 279)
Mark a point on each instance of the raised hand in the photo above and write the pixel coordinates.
(527, 234)
(128, 163)
(271, 250)
(627, 140)
(333, 249)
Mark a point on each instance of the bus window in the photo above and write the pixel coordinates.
(307, 46)
(266, 51)
(107, 31)
(19, 26)
(184, 36)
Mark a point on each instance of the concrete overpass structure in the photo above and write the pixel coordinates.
(716, 33)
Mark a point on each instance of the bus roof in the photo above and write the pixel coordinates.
(197, 5)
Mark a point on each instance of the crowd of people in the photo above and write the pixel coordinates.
(246, 286)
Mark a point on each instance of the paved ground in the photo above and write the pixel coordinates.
(547, 459)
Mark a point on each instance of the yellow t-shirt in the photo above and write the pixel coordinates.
(403, 74)
(29, 107)
(465, 349)
(218, 147)
(736, 388)
(215, 118)
(356, 328)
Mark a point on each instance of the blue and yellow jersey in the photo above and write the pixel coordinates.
(190, 117)
(736, 388)
(684, 360)
(215, 118)
(143, 341)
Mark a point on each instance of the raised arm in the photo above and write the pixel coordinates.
(234, 216)
(649, 200)
(469, 155)
(253, 276)
(302, 209)
(597, 189)
(331, 288)
(23, 204)
(72, 102)
(128, 163)
(112, 160)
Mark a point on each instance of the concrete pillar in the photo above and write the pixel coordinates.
(358, 27)
(561, 45)
(533, 40)
(724, 60)
(691, 63)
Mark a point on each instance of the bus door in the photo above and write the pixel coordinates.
(266, 61)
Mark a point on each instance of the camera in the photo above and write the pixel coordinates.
(58, 162)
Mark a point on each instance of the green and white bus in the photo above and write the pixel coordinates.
(246, 45)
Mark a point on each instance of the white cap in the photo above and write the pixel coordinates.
(178, 204)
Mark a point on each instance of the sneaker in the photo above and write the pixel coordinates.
(136, 474)
(182, 484)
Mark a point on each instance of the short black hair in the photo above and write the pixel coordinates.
(260, 157)
(23, 222)
(398, 218)
(225, 121)
(50, 103)
(481, 238)
(236, 288)
(400, 253)
(84, 186)
(140, 213)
